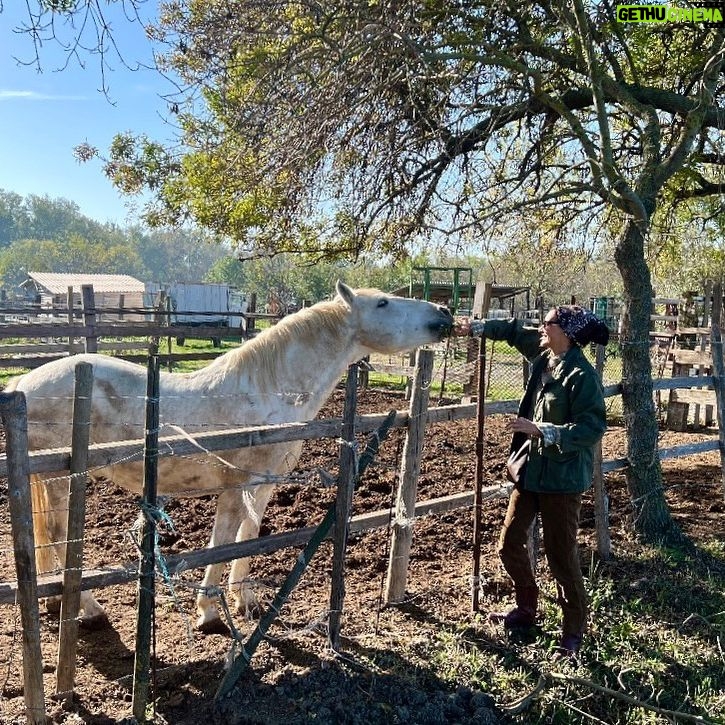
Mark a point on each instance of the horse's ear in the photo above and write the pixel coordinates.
(347, 293)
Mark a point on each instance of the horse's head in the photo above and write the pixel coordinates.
(386, 323)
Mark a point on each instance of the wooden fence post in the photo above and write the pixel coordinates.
(408, 487)
(70, 318)
(251, 327)
(146, 589)
(89, 317)
(70, 602)
(343, 505)
(718, 371)
(14, 414)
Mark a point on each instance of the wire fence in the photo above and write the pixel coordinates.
(455, 368)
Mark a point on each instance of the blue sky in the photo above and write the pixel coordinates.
(43, 116)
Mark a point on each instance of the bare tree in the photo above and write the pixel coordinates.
(79, 29)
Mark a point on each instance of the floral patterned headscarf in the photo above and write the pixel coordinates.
(581, 326)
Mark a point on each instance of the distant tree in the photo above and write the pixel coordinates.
(49, 218)
(30, 255)
(228, 270)
(181, 254)
(74, 254)
(13, 217)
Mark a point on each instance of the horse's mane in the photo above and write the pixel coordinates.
(324, 320)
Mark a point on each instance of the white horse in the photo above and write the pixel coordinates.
(283, 375)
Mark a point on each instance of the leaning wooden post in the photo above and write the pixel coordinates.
(601, 500)
(301, 562)
(145, 613)
(718, 371)
(343, 505)
(14, 414)
(70, 602)
(402, 538)
(477, 504)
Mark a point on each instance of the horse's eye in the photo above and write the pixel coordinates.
(382, 303)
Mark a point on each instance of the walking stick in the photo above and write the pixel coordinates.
(477, 508)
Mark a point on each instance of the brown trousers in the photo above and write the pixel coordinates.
(560, 524)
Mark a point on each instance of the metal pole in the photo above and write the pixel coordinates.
(145, 614)
(477, 504)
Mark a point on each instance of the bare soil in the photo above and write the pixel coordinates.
(294, 677)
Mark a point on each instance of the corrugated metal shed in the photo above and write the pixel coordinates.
(57, 283)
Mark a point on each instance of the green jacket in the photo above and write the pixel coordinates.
(571, 400)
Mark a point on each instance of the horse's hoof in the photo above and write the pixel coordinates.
(94, 623)
(212, 626)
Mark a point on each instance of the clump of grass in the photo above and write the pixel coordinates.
(655, 647)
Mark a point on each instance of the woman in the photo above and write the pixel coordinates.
(561, 417)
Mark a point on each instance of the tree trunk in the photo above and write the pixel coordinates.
(652, 520)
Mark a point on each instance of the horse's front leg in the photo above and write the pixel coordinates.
(226, 522)
(240, 587)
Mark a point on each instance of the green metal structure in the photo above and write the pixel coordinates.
(453, 286)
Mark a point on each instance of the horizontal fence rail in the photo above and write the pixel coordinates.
(105, 454)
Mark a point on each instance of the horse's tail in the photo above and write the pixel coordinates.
(44, 556)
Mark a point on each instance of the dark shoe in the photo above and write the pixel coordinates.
(568, 647)
(517, 618)
(523, 615)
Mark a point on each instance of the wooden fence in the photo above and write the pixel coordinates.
(17, 464)
(84, 328)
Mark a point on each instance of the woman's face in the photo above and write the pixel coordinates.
(552, 336)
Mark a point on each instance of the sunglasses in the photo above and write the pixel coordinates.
(547, 323)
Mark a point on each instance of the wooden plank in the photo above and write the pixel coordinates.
(693, 397)
(52, 585)
(97, 578)
(89, 317)
(691, 357)
(121, 329)
(104, 454)
(693, 330)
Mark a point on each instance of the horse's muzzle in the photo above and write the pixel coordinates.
(443, 326)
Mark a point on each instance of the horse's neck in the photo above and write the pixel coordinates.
(314, 367)
(305, 369)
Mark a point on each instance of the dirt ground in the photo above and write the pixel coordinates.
(294, 677)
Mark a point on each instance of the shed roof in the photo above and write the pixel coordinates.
(57, 283)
